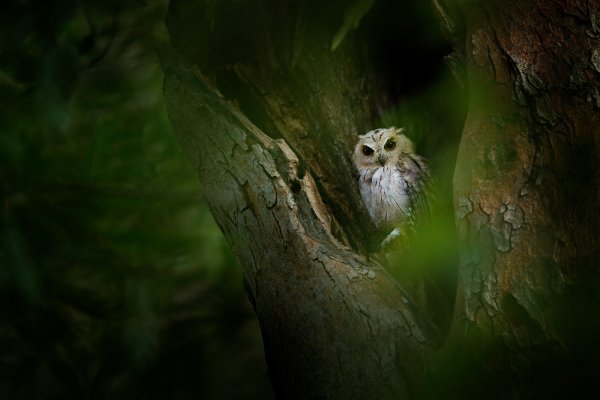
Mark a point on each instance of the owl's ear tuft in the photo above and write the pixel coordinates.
(406, 145)
(398, 130)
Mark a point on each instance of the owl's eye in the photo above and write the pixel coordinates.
(367, 151)
(390, 145)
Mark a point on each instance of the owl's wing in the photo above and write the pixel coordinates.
(418, 179)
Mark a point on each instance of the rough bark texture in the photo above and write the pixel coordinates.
(527, 194)
(268, 116)
(270, 137)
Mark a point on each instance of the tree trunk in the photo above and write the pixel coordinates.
(268, 115)
(527, 191)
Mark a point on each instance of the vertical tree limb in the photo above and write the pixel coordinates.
(527, 191)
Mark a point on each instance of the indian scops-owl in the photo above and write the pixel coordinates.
(393, 181)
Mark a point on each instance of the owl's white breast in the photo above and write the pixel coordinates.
(385, 194)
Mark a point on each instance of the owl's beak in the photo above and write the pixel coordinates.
(381, 160)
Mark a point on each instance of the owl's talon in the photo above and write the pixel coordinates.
(392, 239)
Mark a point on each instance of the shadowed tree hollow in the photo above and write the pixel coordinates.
(267, 99)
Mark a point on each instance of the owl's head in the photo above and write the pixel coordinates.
(381, 147)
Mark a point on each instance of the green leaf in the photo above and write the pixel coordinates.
(352, 17)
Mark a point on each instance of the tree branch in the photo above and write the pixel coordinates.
(334, 324)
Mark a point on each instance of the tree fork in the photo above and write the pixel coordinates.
(271, 140)
(269, 125)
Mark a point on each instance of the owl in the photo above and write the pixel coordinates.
(393, 181)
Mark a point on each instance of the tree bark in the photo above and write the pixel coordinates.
(268, 115)
(527, 196)
(270, 134)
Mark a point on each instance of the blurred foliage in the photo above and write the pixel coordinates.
(428, 264)
(427, 101)
(114, 279)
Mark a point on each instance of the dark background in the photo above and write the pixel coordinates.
(115, 282)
